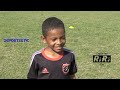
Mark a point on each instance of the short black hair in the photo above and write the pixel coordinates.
(51, 23)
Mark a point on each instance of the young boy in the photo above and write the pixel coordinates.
(54, 61)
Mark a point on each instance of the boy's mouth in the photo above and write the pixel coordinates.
(59, 48)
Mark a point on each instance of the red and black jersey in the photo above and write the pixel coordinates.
(43, 67)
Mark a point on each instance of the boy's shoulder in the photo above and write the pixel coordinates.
(36, 53)
(68, 50)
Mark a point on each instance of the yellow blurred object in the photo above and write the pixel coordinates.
(71, 27)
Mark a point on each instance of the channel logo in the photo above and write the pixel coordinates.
(102, 58)
(16, 40)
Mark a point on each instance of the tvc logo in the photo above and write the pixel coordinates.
(102, 58)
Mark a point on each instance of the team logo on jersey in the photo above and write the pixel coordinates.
(45, 70)
(65, 68)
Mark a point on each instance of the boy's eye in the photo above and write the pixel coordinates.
(53, 39)
(63, 38)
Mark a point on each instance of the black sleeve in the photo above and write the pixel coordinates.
(33, 71)
(73, 66)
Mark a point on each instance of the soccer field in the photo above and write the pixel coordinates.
(94, 32)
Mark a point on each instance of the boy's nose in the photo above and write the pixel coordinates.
(59, 41)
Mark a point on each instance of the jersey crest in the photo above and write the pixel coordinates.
(65, 68)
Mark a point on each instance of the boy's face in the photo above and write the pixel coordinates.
(55, 39)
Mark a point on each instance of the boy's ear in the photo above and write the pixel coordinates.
(43, 39)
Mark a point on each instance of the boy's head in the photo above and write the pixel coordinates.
(51, 23)
(53, 31)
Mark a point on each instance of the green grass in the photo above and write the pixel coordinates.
(95, 32)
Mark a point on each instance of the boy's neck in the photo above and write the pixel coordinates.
(51, 54)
